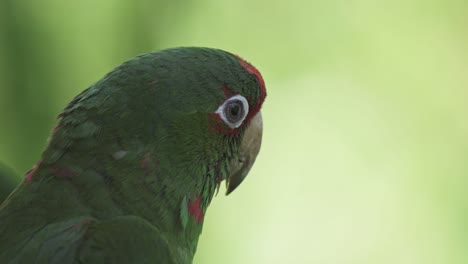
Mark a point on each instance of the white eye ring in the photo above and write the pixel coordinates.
(230, 112)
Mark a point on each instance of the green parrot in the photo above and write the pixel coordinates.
(134, 161)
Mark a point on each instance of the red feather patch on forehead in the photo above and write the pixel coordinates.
(252, 70)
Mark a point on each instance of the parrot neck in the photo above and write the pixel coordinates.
(172, 198)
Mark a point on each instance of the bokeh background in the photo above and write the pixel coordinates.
(365, 124)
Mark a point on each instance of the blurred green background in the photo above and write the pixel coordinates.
(365, 130)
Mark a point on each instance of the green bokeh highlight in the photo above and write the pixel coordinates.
(365, 153)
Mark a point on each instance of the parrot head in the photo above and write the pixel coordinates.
(173, 123)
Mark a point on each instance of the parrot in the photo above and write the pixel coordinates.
(135, 159)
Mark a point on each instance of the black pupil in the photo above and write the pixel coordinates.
(234, 111)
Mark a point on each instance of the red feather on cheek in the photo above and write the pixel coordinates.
(217, 125)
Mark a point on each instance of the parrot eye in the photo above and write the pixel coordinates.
(233, 111)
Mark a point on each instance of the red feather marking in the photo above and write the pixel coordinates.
(62, 172)
(84, 222)
(218, 171)
(227, 92)
(79, 224)
(217, 125)
(30, 173)
(149, 163)
(144, 165)
(252, 70)
(57, 127)
(195, 210)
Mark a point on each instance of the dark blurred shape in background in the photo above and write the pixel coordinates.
(8, 181)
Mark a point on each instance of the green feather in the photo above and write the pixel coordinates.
(184, 215)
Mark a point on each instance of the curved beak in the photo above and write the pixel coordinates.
(249, 148)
